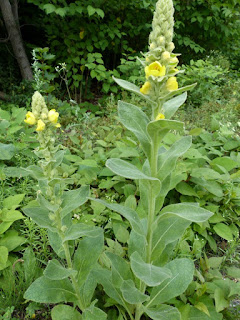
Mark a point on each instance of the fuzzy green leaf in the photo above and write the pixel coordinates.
(163, 312)
(55, 271)
(151, 275)
(65, 312)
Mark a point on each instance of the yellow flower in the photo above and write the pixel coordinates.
(40, 125)
(145, 88)
(160, 116)
(30, 118)
(155, 69)
(53, 116)
(57, 125)
(81, 34)
(172, 84)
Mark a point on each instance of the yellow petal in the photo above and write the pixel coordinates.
(145, 88)
(40, 125)
(160, 116)
(155, 69)
(58, 125)
(172, 84)
(30, 118)
(81, 34)
(53, 116)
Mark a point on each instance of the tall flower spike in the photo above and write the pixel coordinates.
(38, 105)
(160, 39)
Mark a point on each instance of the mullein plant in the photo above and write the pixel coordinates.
(78, 246)
(144, 283)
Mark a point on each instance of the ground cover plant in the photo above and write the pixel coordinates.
(154, 234)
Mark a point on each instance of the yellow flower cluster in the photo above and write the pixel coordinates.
(52, 117)
(155, 69)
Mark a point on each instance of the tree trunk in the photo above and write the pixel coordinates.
(15, 37)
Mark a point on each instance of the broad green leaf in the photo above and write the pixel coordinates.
(225, 162)
(3, 257)
(126, 212)
(185, 189)
(90, 10)
(151, 275)
(7, 151)
(94, 313)
(86, 255)
(205, 173)
(65, 312)
(135, 120)
(49, 8)
(234, 272)
(120, 231)
(15, 172)
(212, 186)
(46, 204)
(11, 240)
(127, 170)
(58, 158)
(182, 275)
(81, 230)
(44, 290)
(55, 271)
(163, 312)
(132, 88)
(87, 289)
(104, 277)
(30, 265)
(13, 202)
(56, 243)
(61, 11)
(137, 243)
(120, 269)
(169, 229)
(11, 216)
(73, 199)
(220, 302)
(167, 160)
(223, 231)
(40, 216)
(131, 294)
(171, 106)
(187, 211)
(158, 129)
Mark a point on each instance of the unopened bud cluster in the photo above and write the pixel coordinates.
(161, 63)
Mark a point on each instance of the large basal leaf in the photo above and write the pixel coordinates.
(167, 160)
(81, 230)
(55, 271)
(40, 216)
(65, 312)
(73, 199)
(158, 129)
(151, 275)
(171, 106)
(135, 120)
(86, 256)
(132, 88)
(93, 313)
(163, 312)
(187, 211)
(131, 294)
(126, 212)
(182, 275)
(44, 290)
